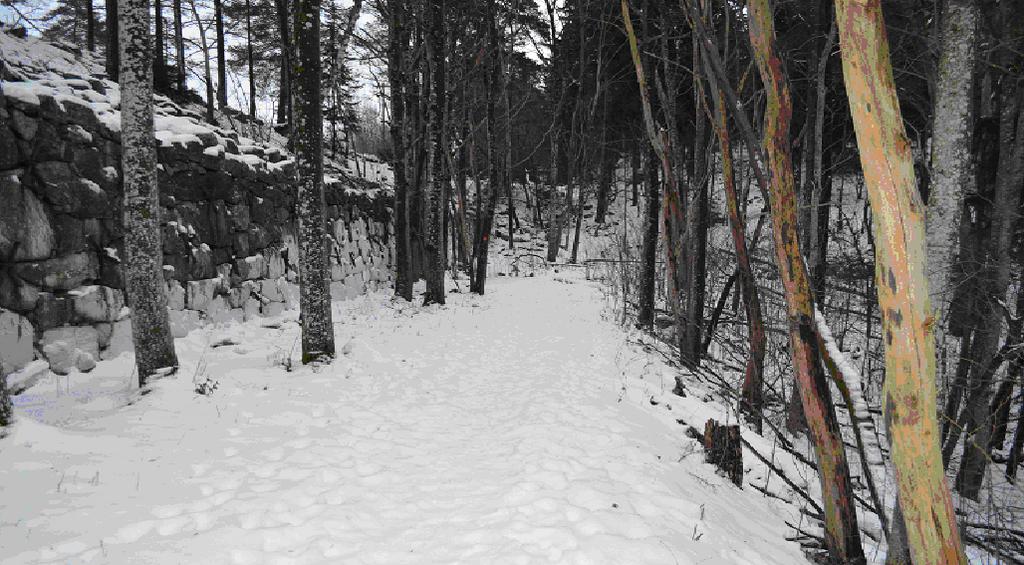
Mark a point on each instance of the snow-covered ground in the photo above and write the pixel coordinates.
(517, 427)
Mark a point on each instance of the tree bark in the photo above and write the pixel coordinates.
(314, 268)
(486, 220)
(996, 275)
(435, 196)
(696, 234)
(649, 254)
(907, 318)
(179, 49)
(398, 41)
(284, 105)
(951, 170)
(842, 535)
(90, 26)
(113, 65)
(751, 400)
(249, 57)
(222, 66)
(143, 269)
(207, 75)
(160, 80)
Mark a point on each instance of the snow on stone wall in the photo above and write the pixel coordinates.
(229, 232)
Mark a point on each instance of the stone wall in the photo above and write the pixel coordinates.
(229, 233)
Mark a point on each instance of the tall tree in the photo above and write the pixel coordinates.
(180, 80)
(90, 26)
(995, 277)
(951, 170)
(436, 200)
(480, 249)
(222, 67)
(307, 139)
(842, 534)
(398, 43)
(649, 252)
(284, 103)
(160, 80)
(113, 65)
(907, 318)
(143, 268)
(249, 58)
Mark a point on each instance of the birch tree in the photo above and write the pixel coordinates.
(307, 138)
(143, 269)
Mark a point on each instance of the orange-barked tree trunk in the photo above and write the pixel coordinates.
(902, 281)
(842, 537)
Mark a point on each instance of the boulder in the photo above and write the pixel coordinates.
(52, 311)
(71, 194)
(9, 152)
(175, 295)
(60, 273)
(184, 321)
(16, 294)
(251, 268)
(23, 124)
(16, 336)
(97, 303)
(200, 293)
(68, 348)
(23, 221)
(120, 340)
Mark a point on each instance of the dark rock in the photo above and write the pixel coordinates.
(52, 311)
(221, 225)
(238, 217)
(48, 143)
(79, 113)
(23, 222)
(23, 124)
(110, 270)
(70, 194)
(60, 273)
(70, 234)
(10, 155)
(16, 294)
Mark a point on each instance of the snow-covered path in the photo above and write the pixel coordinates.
(497, 429)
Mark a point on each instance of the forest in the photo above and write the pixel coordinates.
(790, 228)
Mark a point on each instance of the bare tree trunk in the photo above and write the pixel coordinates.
(113, 65)
(210, 117)
(697, 211)
(222, 66)
(554, 231)
(160, 80)
(143, 269)
(249, 56)
(179, 49)
(314, 268)
(398, 41)
(649, 255)
(951, 170)
(842, 535)
(435, 196)
(486, 219)
(751, 392)
(661, 144)
(90, 26)
(902, 283)
(284, 105)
